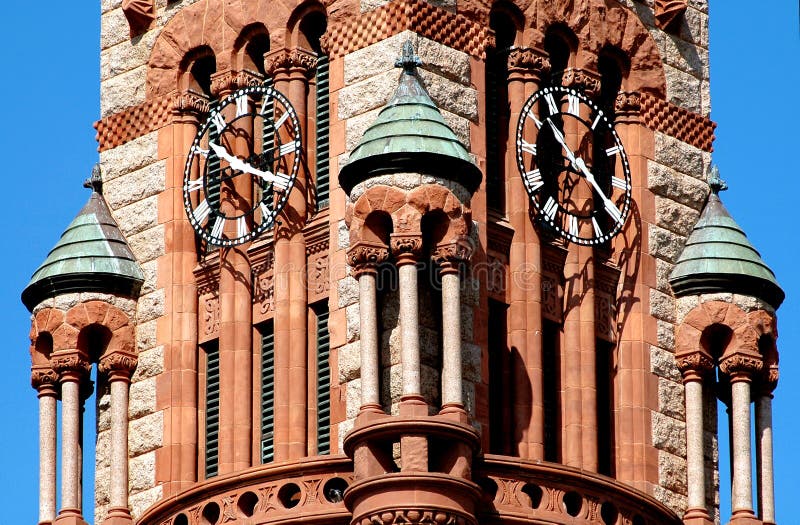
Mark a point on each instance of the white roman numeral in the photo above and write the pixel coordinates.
(197, 150)
(550, 208)
(281, 119)
(194, 185)
(265, 211)
(281, 181)
(619, 183)
(597, 231)
(613, 211)
(219, 121)
(535, 120)
(287, 148)
(241, 227)
(241, 104)
(574, 107)
(200, 213)
(613, 150)
(216, 230)
(534, 179)
(527, 147)
(597, 120)
(551, 103)
(573, 225)
(267, 105)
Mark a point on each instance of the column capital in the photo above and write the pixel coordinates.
(451, 254)
(283, 61)
(741, 367)
(118, 365)
(583, 79)
(225, 82)
(44, 380)
(406, 247)
(189, 103)
(528, 63)
(365, 256)
(694, 366)
(628, 106)
(71, 366)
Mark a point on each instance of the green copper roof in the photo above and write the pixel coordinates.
(719, 258)
(91, 256)
(410, 135)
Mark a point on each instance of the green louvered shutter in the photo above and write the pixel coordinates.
(323, 383)
(212, 408)
(267, 392)
(493, 185)
(323, 133)
(268, 140)
(213, 173)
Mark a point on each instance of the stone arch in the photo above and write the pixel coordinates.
(433, 197)
(598, 24)
(297, 31)
(99, 313)
(249, 48)
(212, 23)
(43, 327)
(380, 198)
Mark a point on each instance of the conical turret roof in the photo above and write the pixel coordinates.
(719, 258)
(410, 135)
(91, 256)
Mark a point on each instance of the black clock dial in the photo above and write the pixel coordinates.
(241, 166)
(573, 165)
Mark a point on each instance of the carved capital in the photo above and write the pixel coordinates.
(140, 14)
(296, 60)
(669, 13)
(43, 378)
(190, 103)
(365, 256)
(70, 366)
(695, 365)
(741, 366)
(581, 79)
(406, 247)
(450, 255)
(628, 104)
(225, 82)
(528, 60)
(118, 365)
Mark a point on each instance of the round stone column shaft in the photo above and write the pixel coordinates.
(766, 486)
(451, 338)
(695, 466)
(409, 328)
(45, 383)
(370, 361)
(741, 499)
(70, 443)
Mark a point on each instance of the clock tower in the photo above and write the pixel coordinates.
(369, 262)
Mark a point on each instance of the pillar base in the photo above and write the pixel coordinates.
(118, 516)
(413, 405)
(369, 412)
(697, 517)
(744, 517)
(455, 412)
(69, 517)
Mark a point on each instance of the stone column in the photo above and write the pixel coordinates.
(365, 257)
(73, 369)
(119, 368)
(766, 487)
(406, 248)
(45, 381)
(449, 257)
(694, 368)
(741, 369)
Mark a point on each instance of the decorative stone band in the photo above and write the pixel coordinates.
(190, 103)
(43, 378)
(118, 365)
(528, 60)
(415, 517)
(406, 247)
(742, 367)
(452, 30)
(70, 366)
(684, 125)
(450, 255)
(283, 61)
(628, 104)
(225, 82)
(365, 256)
(582, 79)
(694, 366)
(120, 128)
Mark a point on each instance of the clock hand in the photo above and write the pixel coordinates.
(560, 138)
(610, 207)
(240, 165)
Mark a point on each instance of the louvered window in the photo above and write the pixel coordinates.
(267, 392)
(323, 133)
(551, 387)
(212, 408)
(268, 139)
(323, 383)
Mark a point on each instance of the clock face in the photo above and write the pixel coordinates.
(242, 166)
(573, 165)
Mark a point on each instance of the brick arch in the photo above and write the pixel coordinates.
(98, 313)
(431, 197)
(599, 24)
(43, 326)
(213, 23)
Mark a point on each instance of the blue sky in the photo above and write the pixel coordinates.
(51, 99)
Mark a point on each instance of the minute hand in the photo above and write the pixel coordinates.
(589, 176)
(238, 164)
(560, 138)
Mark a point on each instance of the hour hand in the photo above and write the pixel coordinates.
(238, 164)
(560, 138)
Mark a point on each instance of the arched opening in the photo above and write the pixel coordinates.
(196, 70)
(250, 47)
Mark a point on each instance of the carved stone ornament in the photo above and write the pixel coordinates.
(118, 363)
(406, 245)
(42, 377)
(72, 363)
(452, 253)
(414, 517)
(741, 365)
(318, 275)
(669, 12)
(191, 103)
(697, 363)
(211, 315)
(528, 59)
(365, 256)
(230, 80)
(628, 103)
(282, 61)
(140, 14)
(581, 79)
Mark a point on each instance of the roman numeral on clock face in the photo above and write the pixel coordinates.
(535, 120)
(219, 121)
(596, 227)
(241, 104)
(241, 227)
(613, 150)
(194, 185)
(573, 225)
(527, 147)
(200, 213)
(619, 183)
(550, 208)
(551, 103)
(281, 119)
(574, 105)
(216, 230)
(286, 148)
(534, 179)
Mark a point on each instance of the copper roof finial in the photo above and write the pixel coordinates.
(95, 182)
(408, 60)
(715, 181)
